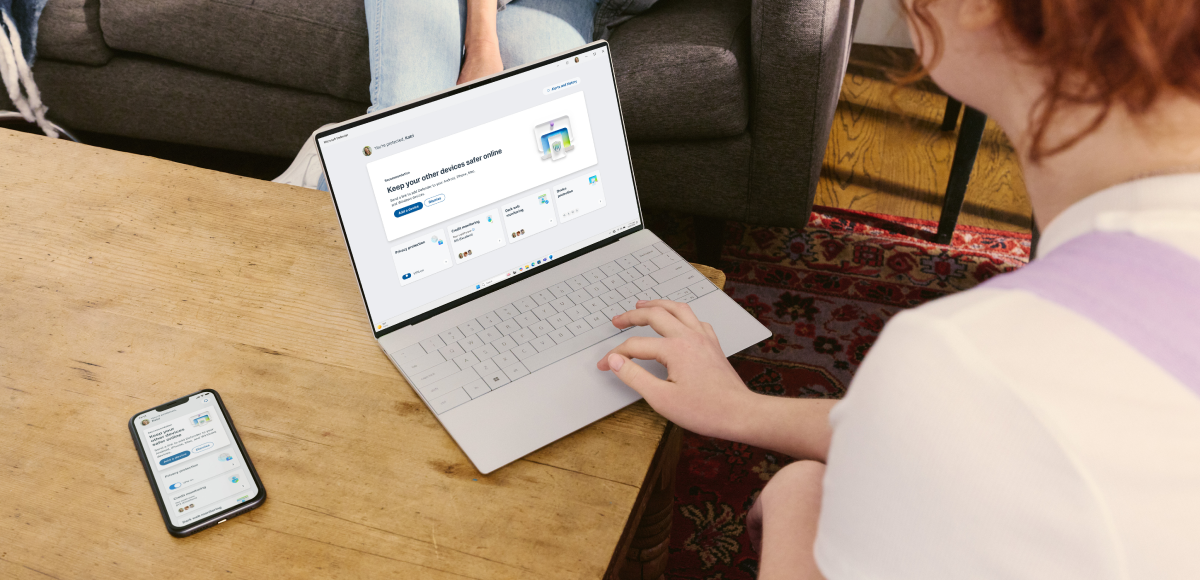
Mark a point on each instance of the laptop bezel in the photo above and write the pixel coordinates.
(448, 93)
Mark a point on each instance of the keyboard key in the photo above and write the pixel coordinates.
(545, 311)
(433, 343)
(508, 327)
(577, 283)
(611, 269)
(627, 262)
(647, 267)
(504, 344)
(470, 327)
(563, 303)
(561, 289)
(611, 298)
(594, 275)
(666, 259)
(613, 282)
(629, 290)
(409, 353)
(527, 318)
(596, 289)
(596, 319)
(421, 364)
(542, 343)
(449, 401)
(542, 296)
(613, 310)
(484, 368)
(523, 336)
(451, 350)
(647, 253)
(489, 334)
(628, 304)
(505, 360)
(702, 288)
(496, 379)
(452, 335)
(562, 334)
(577, 312)
(445, 385)
(525, 304)
(477, 389)
(647, 295)
(559, 320)
(507, 312)
(516, 371)
(630, 275)
(541, 328)
(687, 279)
(663, 247)
(580, 295)
(466, 360)
(671, 271)
(488, 320)
(595, 305)
(645, 283)
(485, 352)
(579, 326)
(432, 374)
(523, 351)
(470, 343)
(570, 347)
(683, 295)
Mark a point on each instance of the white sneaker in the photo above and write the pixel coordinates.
(306, 170)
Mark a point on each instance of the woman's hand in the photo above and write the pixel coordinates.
(702, 393)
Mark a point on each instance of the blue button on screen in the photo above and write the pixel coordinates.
(174, 458)
(408, 209)
(406, 276)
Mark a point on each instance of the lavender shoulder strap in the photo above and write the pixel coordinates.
(1144, 292)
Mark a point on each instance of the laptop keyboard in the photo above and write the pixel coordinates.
(463, 363)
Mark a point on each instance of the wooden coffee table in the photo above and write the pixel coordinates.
(127, 281)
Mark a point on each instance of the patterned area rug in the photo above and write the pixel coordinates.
(825, 292)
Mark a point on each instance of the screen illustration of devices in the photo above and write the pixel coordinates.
(197, 466)
(486, 187)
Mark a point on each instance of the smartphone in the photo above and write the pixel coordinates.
(197, 466)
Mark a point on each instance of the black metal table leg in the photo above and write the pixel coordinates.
(965, 150)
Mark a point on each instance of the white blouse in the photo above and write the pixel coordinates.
(995, 434)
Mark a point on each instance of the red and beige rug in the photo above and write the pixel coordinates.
(825, 293)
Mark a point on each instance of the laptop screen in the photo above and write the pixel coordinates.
(464, 192)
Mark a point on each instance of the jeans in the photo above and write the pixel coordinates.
(416, 46)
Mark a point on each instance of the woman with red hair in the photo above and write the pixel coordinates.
(1047, 423)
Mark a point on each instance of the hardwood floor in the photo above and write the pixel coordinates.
(886, 153)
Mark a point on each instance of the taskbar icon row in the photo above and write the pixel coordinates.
(517, 270)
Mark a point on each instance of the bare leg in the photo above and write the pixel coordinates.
(785, 518)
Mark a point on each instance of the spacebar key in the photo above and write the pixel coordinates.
(570, 346)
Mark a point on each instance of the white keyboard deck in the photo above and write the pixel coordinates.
(460, 364)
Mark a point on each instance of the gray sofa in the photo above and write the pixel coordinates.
(728, 103)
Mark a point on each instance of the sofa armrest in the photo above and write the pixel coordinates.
(799, 52)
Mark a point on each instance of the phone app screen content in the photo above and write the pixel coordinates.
(197, 466)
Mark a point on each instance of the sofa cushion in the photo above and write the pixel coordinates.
(70, 30)
(318, 46)
(682, 68)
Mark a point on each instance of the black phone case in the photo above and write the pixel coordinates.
(217, 517)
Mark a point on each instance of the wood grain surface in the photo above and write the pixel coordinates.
(127, 281)
(886, 153)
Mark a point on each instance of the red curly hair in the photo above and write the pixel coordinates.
(1099, 53)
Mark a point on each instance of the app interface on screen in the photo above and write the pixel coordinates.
(445, 199)
(197, 465)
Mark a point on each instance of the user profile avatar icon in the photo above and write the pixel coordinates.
(145, 422)
(367, 150)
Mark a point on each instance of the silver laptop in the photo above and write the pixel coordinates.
(495, 231)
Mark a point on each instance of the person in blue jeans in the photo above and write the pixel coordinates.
(419, 47)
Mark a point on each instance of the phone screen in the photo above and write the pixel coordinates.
(197, 465)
